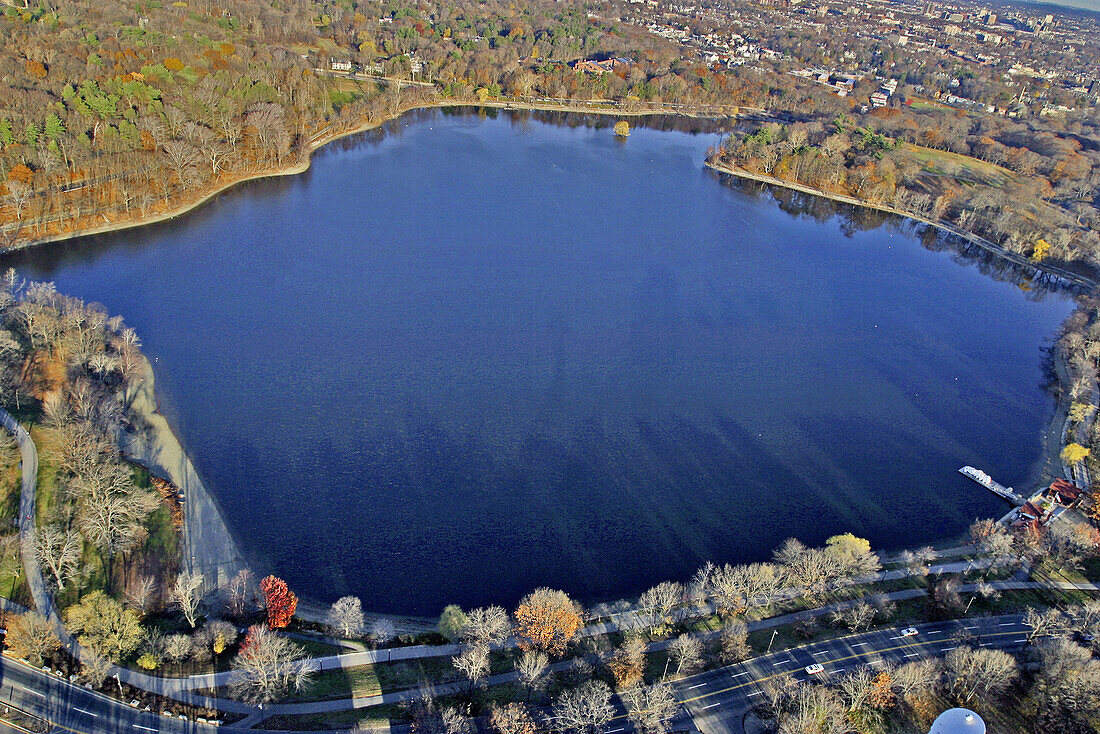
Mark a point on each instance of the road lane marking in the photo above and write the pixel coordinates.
(911, 655)
(1004, 624)
(149, 728)
(712, 706)
(919, 643)
(697, 685)
(934, 632)
(84, 711)
(858, 644)
(34, 693)
(738, 675)
(781, 662)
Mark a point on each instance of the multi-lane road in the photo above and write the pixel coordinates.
(718, 699)
(715, 701)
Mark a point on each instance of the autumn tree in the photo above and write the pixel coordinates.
(628, 662)
(977, 671)
(512, 718)
(105, 626)
(280, 600)
(733, 642)
(31, 637)
(546, 620)
(656, 606)
(1074, 453)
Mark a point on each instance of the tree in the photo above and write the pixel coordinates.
(972, 671)
(241, 591)
(141, 593)
(58, 548)
(853, 555)
(345, 617)
(651, 708)
(547, 620)
(280, 600)
(531, 667)
(656, 605)
(1067, 687)
(221, 635)
(628, 662)
(452, 622)
(268, 666)
(585, 709)
(188, 592)
(992, 538)
(856, 617)
(733, 642)
(31, 637)
(473, 662)
(513, 718)
(177, 647)
(104, 626)
(1074, 453)
(814, 710)
(486, 626)
(687, 652)
(382, 630)
(622, 128)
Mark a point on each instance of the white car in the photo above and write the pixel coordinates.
(909, 632)
(815, 668)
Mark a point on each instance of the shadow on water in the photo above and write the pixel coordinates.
(1036, 284)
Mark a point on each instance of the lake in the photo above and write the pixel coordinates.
(469, 355)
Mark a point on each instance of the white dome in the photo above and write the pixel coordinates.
(958, 721)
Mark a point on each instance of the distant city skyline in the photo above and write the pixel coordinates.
(1093, 5)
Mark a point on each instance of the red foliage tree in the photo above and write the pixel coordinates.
(281, 602)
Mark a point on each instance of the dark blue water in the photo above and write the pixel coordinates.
(481, 355)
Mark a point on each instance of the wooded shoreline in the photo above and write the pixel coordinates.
(306, 159)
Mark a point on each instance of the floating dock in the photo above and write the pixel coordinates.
(986, 481)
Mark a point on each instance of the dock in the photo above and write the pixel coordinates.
(987, 481)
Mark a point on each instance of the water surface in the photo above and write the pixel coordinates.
(472, 356)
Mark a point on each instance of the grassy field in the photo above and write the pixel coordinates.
(955, 167)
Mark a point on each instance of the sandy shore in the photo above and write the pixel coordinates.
(208, 545)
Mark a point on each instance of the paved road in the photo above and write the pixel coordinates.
(718, 699)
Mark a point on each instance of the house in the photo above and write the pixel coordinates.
(589, 66)
(879, 98)
(340, 65)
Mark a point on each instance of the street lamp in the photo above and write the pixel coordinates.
(774, 633)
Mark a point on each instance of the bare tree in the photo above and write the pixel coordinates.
(655, 606)
(188, 592)
(345, 617)
(814, 710)
(95, 666)
(651, 708)
(58, 549)
(473, 662)
(972, 671)
(585, 709)
(454, 721)
(687, 651)
(141, 594)
(382, 630)
(177, 647)
(531, 667)
(856, 617)
(242, 589)
(486, 626)
(268, 666)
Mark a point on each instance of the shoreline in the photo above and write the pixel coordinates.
(208, 545)
(992, 247)
(1053, 439)
(306, 156)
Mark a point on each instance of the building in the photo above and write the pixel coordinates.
(340, 65)
(603, 67)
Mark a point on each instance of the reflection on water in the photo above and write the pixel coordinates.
(472, 352)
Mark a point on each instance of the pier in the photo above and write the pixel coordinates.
(986, 481)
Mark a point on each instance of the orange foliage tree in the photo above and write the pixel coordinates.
(546, 620)
(281, 601)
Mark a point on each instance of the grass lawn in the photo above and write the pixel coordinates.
(359, 681)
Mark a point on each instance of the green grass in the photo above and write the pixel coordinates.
(357, 682)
